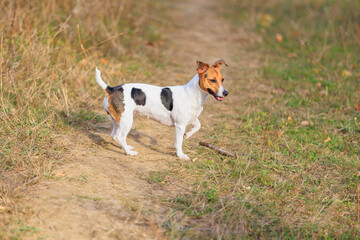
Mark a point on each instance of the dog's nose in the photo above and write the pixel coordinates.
(225, 93)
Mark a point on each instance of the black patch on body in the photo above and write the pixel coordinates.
(139, 96)
(167, 99)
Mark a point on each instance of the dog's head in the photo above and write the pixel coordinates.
(211, 80)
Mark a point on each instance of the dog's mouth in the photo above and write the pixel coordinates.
(214, 95)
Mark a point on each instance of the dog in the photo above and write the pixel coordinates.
(176, 106)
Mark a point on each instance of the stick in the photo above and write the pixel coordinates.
(219, 150)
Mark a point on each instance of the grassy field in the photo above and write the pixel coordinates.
(297, 137)
(294, 120)
(48, 53)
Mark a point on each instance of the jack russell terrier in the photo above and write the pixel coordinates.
(176, 106)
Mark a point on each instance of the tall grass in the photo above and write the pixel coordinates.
(48, 51)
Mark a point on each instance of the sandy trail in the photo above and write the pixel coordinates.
(101, 193)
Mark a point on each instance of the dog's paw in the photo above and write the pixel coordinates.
(187, 135)
(131, 153)
(183, 156)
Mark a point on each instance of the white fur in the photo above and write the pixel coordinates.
(220, 92)
(99, 79)
(188, 101)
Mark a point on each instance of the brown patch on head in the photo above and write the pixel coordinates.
(115, 103)
(202, 67)
(211, 79)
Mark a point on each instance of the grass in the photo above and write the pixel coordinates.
(296, 131)
(297, 171)
(48, 52)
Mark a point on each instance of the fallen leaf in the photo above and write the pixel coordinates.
(318, 85)
(327, 140)
(104, 61)
(59, 175)
(279, 38)
(316, 71)
(296, 33)
(292, 55)
(193, 160)
(322, 92)
(149, 43)
(266, 20)
(179, 75)
(290, 119)
(306, 123)
(346, 73)
(357, 107)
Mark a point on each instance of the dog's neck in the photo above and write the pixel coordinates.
(199, 94)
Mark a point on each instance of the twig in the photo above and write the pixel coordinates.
(219, 150)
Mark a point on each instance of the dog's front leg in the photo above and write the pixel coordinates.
(179, 137)
(196, 126)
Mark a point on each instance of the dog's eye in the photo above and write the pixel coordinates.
(213, 80)
(222, 80)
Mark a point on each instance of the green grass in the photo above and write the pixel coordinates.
(292, 179)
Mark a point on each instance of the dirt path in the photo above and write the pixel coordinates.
(99, 192)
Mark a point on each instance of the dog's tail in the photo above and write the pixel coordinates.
(102, 84)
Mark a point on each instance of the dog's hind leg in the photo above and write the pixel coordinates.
(115, 127)
(126, 122)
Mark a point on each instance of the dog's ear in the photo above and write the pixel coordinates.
(202, 67)
(217, 64)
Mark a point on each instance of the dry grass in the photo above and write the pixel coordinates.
(48, 52)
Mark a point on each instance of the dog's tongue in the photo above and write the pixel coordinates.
(219, 98)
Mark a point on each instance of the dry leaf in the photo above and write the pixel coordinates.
(179, 75)
(296, 33)
(327, 140)
(357, 107)
(318, 85)
(59, 175)
(290, 119)
(292, 55)
(279, 38)
(316, 71)
(266, 20)
(104, 61)
(306, 123)
(346, 73)
(322, 92)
